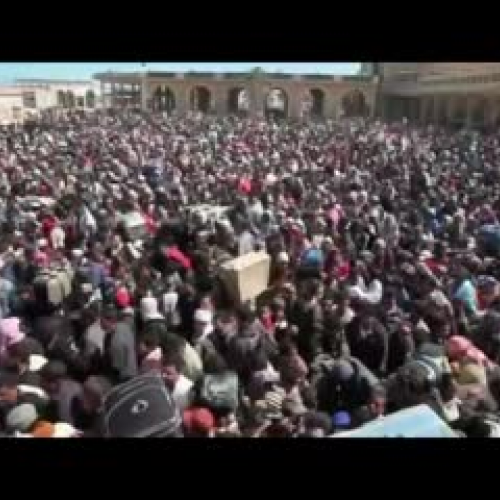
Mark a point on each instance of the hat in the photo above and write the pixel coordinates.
(43, 430)
(203, 316)
(341, 419)
(10, 333)
(199, 420)
(149, 309)
(64, 430)
(37, 362)
(21, 418)
(283, 258)
(343, 370)
(122, 298)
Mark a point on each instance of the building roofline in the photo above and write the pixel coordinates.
(230, 75)
(48, 81)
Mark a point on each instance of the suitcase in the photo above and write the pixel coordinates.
(220, 391)
(246, 277)
(141, 407)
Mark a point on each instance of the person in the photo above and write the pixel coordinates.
(180, 386)
(120, 348)
(383, 285)
(62, 390)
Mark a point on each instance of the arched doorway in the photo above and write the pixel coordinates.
(478, 114)
(354, 104)
(276, 104)
(90, 99)
(441, 111)
(61, 99)
(200, 99)
(459, 112)
(70, 99)
(238, 102)
(317, 103)
(163, 99)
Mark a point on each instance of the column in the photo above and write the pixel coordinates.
(435, 103)
(422, 110)
(491, 112)
(101, 87)
(294, 104)
(257, 97)
(181, 99)
(469, 106)
(144, 92)
(450, 109)
(220, 97)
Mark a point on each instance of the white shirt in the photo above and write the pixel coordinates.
(182, 394)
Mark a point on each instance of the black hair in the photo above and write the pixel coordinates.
(172, 359)
(150, 338)
(21, 351)
(215, 363)
(246, 314)
(318, 420)
(53, 371)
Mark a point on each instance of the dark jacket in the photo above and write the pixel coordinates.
(121, 355)
(309, 320)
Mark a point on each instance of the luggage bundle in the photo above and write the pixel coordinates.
(219, 391)
(141, 407)
(53, 286)
(246, 277)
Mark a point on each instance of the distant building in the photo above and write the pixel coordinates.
(30, 96)
(455, 94)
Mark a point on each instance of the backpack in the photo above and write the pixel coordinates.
(141, 407)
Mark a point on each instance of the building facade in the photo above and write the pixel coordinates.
(255, 93)
(28, 97)
(455, 94)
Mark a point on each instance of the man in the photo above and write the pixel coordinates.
(12, 394)
(180, 386)
(62, 391)
(120, 349)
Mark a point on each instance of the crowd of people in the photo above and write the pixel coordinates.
(384, 288)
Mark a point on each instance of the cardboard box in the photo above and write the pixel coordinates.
(246, 277)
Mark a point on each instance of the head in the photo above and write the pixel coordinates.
(109, 318)
(8, 387)
(149, 341)
(171, 368)
(52, 373)
(202, 322)
(94, 390)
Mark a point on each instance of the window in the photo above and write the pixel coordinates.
(29, 100)
(80, 102)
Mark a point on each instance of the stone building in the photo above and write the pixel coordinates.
(26, 98)
(256, 93)
(454, 94)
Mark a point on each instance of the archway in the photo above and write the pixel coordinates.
(478, 114)
(238, 102)
(317, 102)
(441, 111)
(200, 99)
(459, 112)
(163, 100)
(90, 99)
(354, 104)
(276, 104)
(61, 99)
(70, 99)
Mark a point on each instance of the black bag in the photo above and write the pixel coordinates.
(220, 391)
(141, 407)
